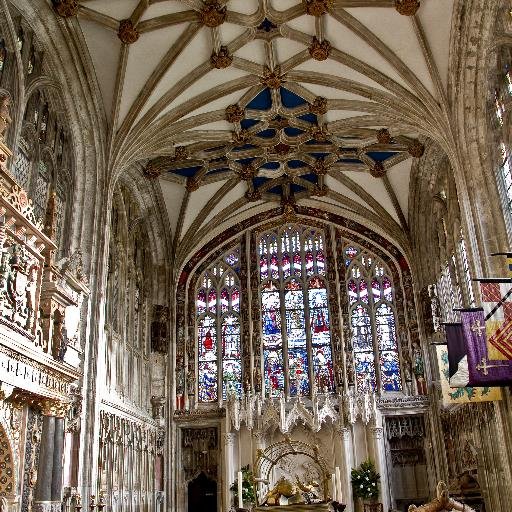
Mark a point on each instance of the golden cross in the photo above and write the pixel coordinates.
(484, 367)
(477, 328)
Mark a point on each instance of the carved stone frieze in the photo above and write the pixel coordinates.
(221, 59)
(213, 14)
(407, 7)
(66, 8)
(319, 50)
(234, 113)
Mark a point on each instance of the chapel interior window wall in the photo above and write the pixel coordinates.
(291, 295)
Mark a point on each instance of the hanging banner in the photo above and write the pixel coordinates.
(487, 366)
(461, 395)
(457, 357)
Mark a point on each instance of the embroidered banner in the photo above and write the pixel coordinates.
(485, 369)
(458, 375)
(461, 395)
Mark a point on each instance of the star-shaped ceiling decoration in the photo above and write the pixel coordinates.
(281, 147)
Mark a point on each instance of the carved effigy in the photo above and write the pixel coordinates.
(441, 503)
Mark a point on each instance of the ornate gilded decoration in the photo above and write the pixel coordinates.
(192, 184)
(320, 133)
(407, 7)
(213, 14)
(6, 465)
(280, 149)
(247, 172)
(180, 153)
(321, 191)
(319, 106)
(383, 136)
(154, 168)
(221, 59)
(320, 167)
(377, 170)
(66, 8)
(272, 79)
(241, 137)
(319, 50)
(416, 149)
(317, 7)
(127, 32)
(253, 195)
(234, 113)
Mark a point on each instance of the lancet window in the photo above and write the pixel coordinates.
(297, 350)
(218, 329)
(372, 322)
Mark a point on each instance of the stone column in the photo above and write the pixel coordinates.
(348, 463)
(376, 446)
(229, 459)
(58, 452)
(46, 457)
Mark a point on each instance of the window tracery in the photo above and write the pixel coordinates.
(290, 304)
(372, 322)
(219, 329)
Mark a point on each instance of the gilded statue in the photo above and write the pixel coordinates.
(285, 492)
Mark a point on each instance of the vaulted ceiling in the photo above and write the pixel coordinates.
(238, 105)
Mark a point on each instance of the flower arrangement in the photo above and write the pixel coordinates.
(365, 481)
(247, 486)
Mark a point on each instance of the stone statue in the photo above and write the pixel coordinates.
(5, 117)
(419, 371)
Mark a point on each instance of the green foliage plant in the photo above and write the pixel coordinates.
(365, 481)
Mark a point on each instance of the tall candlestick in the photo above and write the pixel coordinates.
(333, 484)
(339, 494)
(240, 499)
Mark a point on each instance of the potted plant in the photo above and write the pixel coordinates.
(365, 483)
(248, 496)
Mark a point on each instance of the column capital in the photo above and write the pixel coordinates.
(229, 438)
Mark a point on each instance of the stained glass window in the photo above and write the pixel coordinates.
(295, 314)
(22, 168)
(219, 329)
(372, 322)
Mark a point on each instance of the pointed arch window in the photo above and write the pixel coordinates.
(295, 313)
(372, 321)
(218, 329)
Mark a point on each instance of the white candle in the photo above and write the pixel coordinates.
(339, 495)
(333, 484)
(240, 500)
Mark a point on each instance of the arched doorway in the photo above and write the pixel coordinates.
(202, 494)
